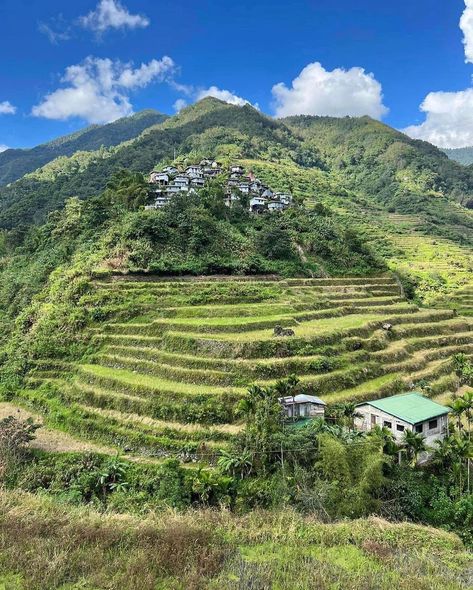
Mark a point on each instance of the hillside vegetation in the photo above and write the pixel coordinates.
(388, 190)
(15, 163)
(45, 546)
(150, 334)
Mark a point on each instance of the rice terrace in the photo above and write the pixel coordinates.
(194, 346)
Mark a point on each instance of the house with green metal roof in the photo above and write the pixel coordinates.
(407, 411)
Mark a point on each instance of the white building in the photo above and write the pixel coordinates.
(197, 182)
(267, 193)
(244, 187)
(285, 198)
(194, 172)
(303, 406)
(170, 170)
(408, 411)
(182, 182)
(159, 178)
(276, 206)
(257, 203)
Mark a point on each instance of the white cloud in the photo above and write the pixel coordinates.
(56, 30)
(3, 147)
(340, 92)
(466, 25)
(224, 95)
(110, 14)
(6, 108)
(98, 90)
(449, 119)
(179, 104)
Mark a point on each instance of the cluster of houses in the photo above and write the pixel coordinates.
(397, 413)
(168, 182)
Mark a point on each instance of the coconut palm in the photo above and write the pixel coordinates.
(350, 413)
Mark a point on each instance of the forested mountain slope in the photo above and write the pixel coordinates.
(15, 163)
(396, 194)
(145, 330)
(461, 155)
(366, 156)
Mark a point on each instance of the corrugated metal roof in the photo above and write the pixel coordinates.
(410, 407)
(301, 398)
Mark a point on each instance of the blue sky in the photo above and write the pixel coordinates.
(64, 65)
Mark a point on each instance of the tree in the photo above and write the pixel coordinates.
(15, 435)
(414, 444)
(127, 189)
(288, 388)
(112, 477)
(264, 419)
(275, 243)
(457, 409)
(463, 368)
(237, 464)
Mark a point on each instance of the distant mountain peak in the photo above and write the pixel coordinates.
(16, 163)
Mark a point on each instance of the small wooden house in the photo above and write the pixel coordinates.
(258, 204)
(197, 182)
(181, 181)
(267, 192)
(194, 172)
(276, 206)
(303, 406)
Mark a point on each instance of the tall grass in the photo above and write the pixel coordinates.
(50, 546)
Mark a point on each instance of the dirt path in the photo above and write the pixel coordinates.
(56, 441)
(51, 440)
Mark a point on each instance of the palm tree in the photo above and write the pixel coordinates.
(468, 407)
(457, 409)
(349, 413)
(289, 388)
(414, 444)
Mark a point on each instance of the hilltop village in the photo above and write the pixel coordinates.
(170, 181)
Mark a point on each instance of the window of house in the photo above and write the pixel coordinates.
(399, 427)
(388, 424)
(419, 428)
(433, 424)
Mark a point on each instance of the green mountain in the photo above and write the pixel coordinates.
(461, 155)
(146, 338)
(15, 163)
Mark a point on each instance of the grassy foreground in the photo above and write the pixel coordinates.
(45, 545)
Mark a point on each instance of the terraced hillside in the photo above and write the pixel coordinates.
(170, 377)
(439, 262)
(442, 266)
